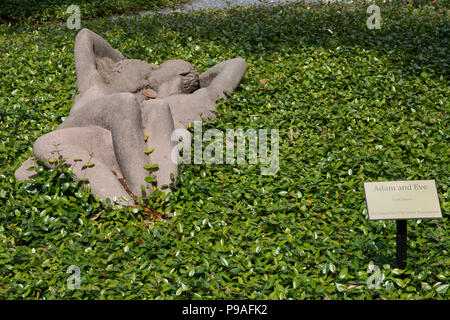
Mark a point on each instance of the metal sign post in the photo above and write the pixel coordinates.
(402, 228)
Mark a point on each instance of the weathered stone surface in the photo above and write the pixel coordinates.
(121, 102)
(22, 173)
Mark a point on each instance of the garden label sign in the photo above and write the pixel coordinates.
(402, 200)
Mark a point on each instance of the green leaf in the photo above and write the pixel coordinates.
(149, 179)
(341, 287)
(343, 273)
(442, 289)
(224, 261)
(151, 167)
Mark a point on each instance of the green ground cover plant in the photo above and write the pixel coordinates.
(351, 104)
(42, 11)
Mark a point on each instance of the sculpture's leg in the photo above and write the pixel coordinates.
(119, 113)
(89, 153)
(159, 126)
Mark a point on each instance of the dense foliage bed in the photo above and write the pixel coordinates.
(351, 104)
(42, 11)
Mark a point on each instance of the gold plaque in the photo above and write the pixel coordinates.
(415, 199)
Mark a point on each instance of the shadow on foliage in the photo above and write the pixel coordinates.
(413, 41)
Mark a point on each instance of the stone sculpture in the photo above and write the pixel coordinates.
(121, 103)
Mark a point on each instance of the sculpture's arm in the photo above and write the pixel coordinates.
(223, 78)
(217, 82)
(88, 46)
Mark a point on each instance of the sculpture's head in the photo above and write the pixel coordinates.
(130, 75)
(174, 77)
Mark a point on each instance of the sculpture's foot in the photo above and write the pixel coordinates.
(22, 173)
(89, 153)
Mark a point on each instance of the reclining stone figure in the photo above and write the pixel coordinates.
(121, 103)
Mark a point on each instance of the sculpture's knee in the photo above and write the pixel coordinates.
(83, 33)
(125, 104)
